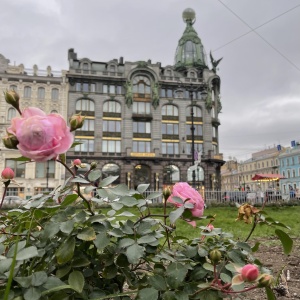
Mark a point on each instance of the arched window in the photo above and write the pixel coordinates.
(141, 85)
(13, 88)
(85, 105)
(111, 170)
(11, 113)
(199, 174)
(54, 94)
(112, 107)
(196, 110)
(41, 93)
(171, 174)
(85, 66)
(169, 110)
(142, 175)
(54, 111)
(112, 68)
(27, 92)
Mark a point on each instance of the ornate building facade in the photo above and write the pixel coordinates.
(46, 90)
(147, 123)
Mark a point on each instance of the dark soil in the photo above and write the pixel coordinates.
(272, 257)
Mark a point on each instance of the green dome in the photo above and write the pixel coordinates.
(190, 51)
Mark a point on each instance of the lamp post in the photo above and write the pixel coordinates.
(191, 93)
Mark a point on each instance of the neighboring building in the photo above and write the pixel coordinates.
(289, 162)
(261, 162)
(46, 90)
(139, 116)
(230, 176)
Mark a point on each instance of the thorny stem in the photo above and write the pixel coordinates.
(84, 199)
(165, 222)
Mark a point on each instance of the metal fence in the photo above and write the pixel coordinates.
(253, 197)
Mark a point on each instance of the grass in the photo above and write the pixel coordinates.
(226, 219)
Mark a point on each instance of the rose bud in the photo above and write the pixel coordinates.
(93, 165)
(12, 98)
(76, 121)
(10, 141)
(166, 192)
(265, 280)
(249, 272)
(77, 162)
(215, 256)
(8, 174)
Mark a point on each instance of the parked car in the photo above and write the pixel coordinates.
(13, 200)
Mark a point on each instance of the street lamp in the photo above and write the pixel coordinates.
(194, 89)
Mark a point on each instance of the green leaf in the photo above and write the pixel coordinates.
(87, 234)
(169, 295)
(60, 273)
(51, 229)
(79, 180)
(21, 158)
(24, 282)
(94, 175)
(67, 227)
(110, 272)
(107, 181)
(32, 294)
(176, 273)
(76, 281)
(126, 214)
(134, 253)
(39, 278)
(286, 241)
(5, 264)
(176, 214)
(120, 190)
(146, 239)
(116, 205)
(126, 242)
(270, 293)
(255, 247)
(208, 267)
(80, 262)
(69, 200)
(244, 246)
(101, 240)
(148, 293)
(65, 251)
(128, 201)
(142, 188)
(53, 282)
(26, 253)
(158, 282)
(177, 200)
(226, 278)
(154, 195)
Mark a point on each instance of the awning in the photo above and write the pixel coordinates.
(267, 177)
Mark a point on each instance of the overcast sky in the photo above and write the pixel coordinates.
(260, 71)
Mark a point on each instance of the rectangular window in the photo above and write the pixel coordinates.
(119, 90)
(41, 93)
(111, 146)
(85, 87)
(141, 127)
(111, 126)
(27, 92)
(85, 146)
(141, 108)
(163, 93)
(54, 94)
(93, 87)
(105, 89)
(17, 166)
(42, 168)
(170, 148)
(171, 129)
(78, 87)
(88, 125)
(141, 146)
(169, 93)
(198, 129)
(198, 148)
(112, 89)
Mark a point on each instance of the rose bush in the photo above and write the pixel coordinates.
(41, 137)
(61, 245)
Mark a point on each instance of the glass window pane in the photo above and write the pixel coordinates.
(85, 87)
(112, 89)
(105, 88)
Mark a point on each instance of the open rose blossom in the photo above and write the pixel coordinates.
(41, 137)
(184, 191)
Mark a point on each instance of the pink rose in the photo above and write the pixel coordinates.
(8, 174)
(41, 137)
(184, 191)
(77, 162)
(249, 272)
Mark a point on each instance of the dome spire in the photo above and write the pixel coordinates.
(190, 51)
